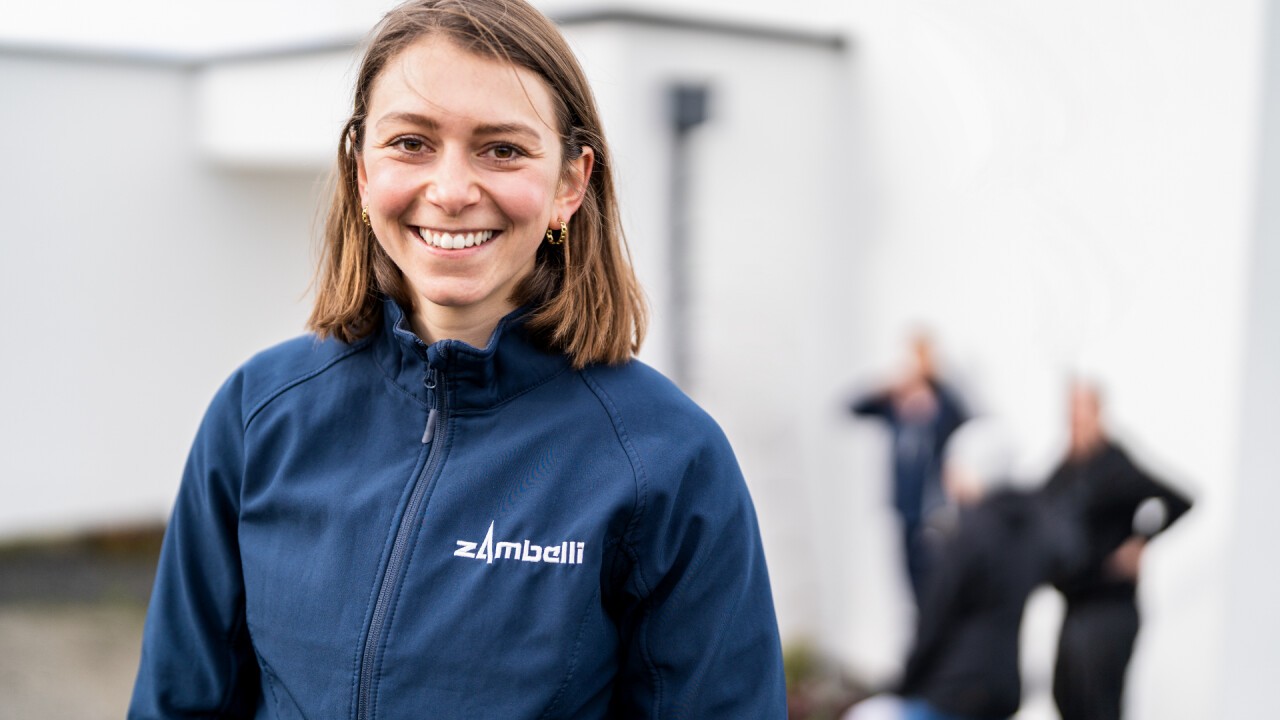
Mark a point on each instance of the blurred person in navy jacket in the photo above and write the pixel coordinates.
(1120, 507)
(994, 545)
(921, 411)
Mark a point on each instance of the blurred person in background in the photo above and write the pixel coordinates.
(1120, 508)
(993, 545)
(921, 411)
(461, 497)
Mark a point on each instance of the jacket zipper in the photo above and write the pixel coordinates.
(435, 418)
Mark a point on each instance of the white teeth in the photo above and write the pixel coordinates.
(455, 241)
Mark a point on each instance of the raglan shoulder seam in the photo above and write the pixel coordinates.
(271, 395)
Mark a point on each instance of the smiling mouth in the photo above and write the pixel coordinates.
(455, 241)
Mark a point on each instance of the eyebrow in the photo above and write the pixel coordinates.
(511, 128)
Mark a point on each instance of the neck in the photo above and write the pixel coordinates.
(472, 325)
(1082, 448)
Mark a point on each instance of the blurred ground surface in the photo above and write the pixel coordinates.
(71, 614)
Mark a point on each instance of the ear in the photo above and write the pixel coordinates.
(362, 178)
(573, 186)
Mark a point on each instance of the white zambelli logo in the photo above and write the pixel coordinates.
(568, 552)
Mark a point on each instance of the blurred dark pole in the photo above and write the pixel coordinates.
(688, 107)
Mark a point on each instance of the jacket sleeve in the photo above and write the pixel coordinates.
(951, 411)
(698, 629)
(874, 405)
(197, 660)
(1152, 503)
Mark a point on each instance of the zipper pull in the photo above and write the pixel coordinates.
(429, 382)
(431, 427)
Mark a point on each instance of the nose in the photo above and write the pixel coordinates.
(452, 185)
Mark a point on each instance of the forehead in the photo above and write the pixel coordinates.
(1084, 397)
(436, 78)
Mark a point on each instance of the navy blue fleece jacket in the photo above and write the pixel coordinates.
(391, 530)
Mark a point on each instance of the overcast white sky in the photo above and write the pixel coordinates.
(195, 28)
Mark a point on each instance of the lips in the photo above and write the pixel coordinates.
(456, 240)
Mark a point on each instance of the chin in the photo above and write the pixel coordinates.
(462, 298)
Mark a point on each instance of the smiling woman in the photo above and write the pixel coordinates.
(461, 176)
(468, 396)
(461, 110)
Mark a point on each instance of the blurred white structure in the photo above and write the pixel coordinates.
(1050, 187)
(1251, 654)
(135, 272)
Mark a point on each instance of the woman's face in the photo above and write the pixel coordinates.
(462, 175)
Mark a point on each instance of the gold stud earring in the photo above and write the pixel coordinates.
(364, 215)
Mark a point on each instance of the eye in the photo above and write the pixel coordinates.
(408, 144)
(506, 152)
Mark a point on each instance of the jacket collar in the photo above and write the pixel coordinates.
(471, 378)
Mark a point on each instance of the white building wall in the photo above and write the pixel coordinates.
(128, 268)
(1052, 188)
(278, 111)
(1066, 186)
(1252, 627)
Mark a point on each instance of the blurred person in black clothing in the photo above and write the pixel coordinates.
(994, 545)
(1120, 507)
(922, 412)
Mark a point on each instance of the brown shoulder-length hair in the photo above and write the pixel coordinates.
(583, 296)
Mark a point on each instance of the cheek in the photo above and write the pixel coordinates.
(389, 188)
(525, 199)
